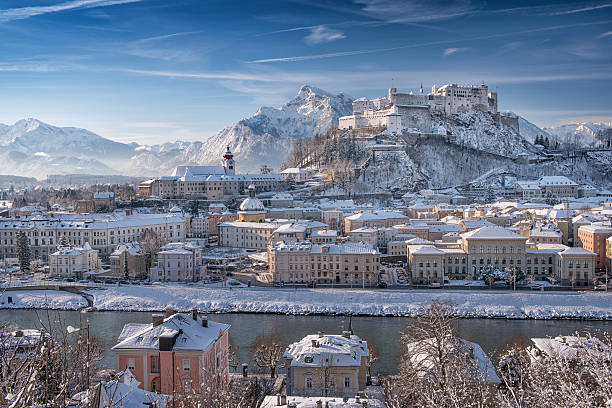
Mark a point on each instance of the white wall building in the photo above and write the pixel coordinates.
(178, 262)
(72, 262)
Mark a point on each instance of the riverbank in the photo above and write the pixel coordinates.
(470, 304)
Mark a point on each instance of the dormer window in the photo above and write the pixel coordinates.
(308, 359)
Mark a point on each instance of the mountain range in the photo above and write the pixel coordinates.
(36, 149)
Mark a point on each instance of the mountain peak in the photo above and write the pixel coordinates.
(307, 90)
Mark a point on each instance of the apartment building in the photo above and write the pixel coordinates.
(178, 262)
(303, 262)
(593, 238)
(178, 353)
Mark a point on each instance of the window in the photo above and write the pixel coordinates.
(347, 382)
(155, 364)
(309, 383)
(308, 359)
(131, 364)
(186, 363)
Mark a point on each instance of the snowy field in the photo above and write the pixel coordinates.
(481, 303)
(41, 299)
(520, 305)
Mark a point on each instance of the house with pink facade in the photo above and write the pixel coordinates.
(175, 353)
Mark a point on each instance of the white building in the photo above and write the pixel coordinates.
(103, 232)
(328, 365)
(398, 111)
(72, 262)
(178, 262)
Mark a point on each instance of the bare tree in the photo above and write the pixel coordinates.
(436, 368)
(577, 374)
(268, 353)
(149, 243)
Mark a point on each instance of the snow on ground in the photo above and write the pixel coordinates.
(41, 299)
(481, 303)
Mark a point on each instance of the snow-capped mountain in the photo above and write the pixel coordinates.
(578, 134)
(31, 136)
(264, 138)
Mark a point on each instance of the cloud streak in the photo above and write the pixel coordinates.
(451, 51)
(401, 47)
(322, 34)
(581, 10)
(22, 13)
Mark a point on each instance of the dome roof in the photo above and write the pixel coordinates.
(252, 204)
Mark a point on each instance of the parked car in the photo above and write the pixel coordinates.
(382, 284)
(435, 285)
(279, 284)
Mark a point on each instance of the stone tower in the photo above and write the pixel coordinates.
(228, 162)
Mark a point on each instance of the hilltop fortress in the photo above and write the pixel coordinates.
(398, 111)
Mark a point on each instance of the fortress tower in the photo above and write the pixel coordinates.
(228, 162)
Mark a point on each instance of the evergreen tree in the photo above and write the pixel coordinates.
(23, 251)
(126, 272)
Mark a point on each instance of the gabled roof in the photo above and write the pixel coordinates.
(189, 334)
(493, 233)
(334, 350)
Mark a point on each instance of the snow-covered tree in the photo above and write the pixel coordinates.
(571, 375)
(436, 368)
(23, 251)
(268, 353)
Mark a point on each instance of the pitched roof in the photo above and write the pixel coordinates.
(492, 233)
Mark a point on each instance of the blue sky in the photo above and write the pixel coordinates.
(157, 70)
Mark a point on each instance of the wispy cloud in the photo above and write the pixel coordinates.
(606, 34)
(202, 75)
(322, 34)
(451, 51)
(21, 13)
(582, 9)
(406, 46)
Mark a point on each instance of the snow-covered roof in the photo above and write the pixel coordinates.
(576, 251)
(253, 205)
(596, 229)
(424, 250)
(307, 246)
(327, 350)
(556, 181)
(324, 233)
(493, 233)
(375, 215)
(570, 347)
(189, 334)
(183, 171)
(425, 361)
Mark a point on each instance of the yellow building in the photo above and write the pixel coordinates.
(252, 209)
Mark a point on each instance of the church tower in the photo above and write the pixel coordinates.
(228, 162)
(421, 89)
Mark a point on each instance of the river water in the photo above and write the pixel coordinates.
(383, 332)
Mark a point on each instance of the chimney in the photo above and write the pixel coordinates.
(283, 399)
(245, 370)
(194, 314)
(19, 333)
(278, 399)
(314, 343)
(169, 311)
(157, 319)
(321, 334)
(319, 404)
(204, 321)
(357, 398)
(346, 334)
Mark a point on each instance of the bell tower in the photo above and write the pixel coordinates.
(228, 162)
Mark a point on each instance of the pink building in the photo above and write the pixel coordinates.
(176, 353)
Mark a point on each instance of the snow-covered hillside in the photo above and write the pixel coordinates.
(578, 134)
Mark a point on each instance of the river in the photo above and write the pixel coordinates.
(382, 332)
